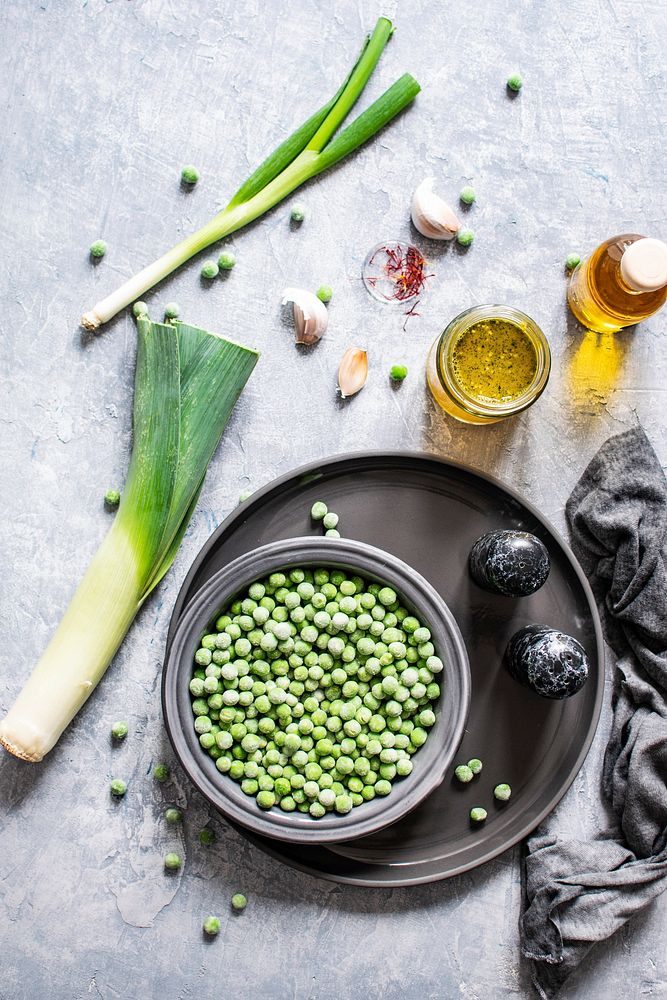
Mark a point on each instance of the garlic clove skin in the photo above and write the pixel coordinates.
(310, 315)
(432, 216)
(352, 371)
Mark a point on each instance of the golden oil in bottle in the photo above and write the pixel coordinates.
(623, 282)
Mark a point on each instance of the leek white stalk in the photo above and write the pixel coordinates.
(306, 153)
(187, 382)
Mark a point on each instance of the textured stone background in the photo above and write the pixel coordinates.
(104, 102)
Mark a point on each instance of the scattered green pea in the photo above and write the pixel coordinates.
(173, 861)
(207, 836)
(330, 520)
(468, 195)
(398, 372)
(515, 83)
(226, 260)
(98, 249)
(319, 510)
(119, 730)
(189, 174)
(502, 792)
(465, 237)
(173, 815)
(298, 212)
(572, 260)
(477, 814)
(239, 902)
(118, 788)
(210, 270)
(111, 498)
(140, 309)
(332, 533)
(171, 310)
(475, 765)
(211, 926)
(161, 772)
(324, 293)
(464, 773)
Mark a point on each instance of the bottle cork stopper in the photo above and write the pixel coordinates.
(644, 265)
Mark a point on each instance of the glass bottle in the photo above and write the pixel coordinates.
(623, 282)
(449, 392)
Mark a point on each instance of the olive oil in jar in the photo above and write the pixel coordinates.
(623, 282)
(491, 362)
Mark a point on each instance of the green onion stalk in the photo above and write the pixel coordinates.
(187, 382)
(304, 155)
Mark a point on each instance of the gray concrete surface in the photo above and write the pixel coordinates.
(103, 102)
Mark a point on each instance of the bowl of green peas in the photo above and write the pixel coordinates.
(316, 689)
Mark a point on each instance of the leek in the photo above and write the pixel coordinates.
(187, 382)
(306, 153)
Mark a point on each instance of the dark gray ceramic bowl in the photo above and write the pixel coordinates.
(430, 762)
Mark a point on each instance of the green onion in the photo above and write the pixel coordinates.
(304, 155)
(187, 382)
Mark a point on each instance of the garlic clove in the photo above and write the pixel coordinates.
(310, 315)
(352, 371)
(432, 216)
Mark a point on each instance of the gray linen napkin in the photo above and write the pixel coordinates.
(581, 892)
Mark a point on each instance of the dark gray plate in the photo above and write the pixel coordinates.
(429, 512)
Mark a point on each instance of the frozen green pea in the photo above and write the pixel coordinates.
(463, 773)
(327, 797)
(189, 174)
(227, 260)
(211, 926)
(387, 596)
(502, 792)
(172, 861)
(161, 772)
(572, 260)
(118, 788)
(475, 765)
(478, 814)
(210, 270)
(324, 293)
(343, 804)
(397, 373)
(239, 902)
(98, 249)
(515, 83)
(119, 730)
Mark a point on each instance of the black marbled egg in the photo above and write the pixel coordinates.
(549, 662)
(513, 563)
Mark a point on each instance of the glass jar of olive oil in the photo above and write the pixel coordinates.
(491, 362)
